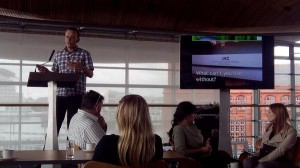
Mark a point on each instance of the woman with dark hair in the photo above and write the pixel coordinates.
(277, 142)
(185, 136)
(188, 140)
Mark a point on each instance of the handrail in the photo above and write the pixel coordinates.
(150, 105)
(104, 105)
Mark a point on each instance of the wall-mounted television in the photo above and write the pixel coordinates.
(227, 62)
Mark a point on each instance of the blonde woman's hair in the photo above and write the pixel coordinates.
(136, 145)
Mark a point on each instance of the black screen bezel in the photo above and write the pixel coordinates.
(189, 47)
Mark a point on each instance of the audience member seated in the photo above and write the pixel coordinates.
(136, 144)
(188, 140)
(277, 142)
(87, 125)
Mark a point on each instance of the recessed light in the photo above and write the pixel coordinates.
(298, 42)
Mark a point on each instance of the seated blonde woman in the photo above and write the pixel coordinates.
(137, 144)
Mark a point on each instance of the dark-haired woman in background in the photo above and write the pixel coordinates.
(188, 140)
(277, 142)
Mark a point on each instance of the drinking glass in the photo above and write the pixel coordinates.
(70, 149)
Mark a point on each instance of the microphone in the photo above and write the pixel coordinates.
(53, 51)
(39, 65)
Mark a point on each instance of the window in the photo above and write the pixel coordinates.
(119, 66)
(237, 128)
(297, 99)
(269, 100)
(240, 100)
(232, 128)
(285, 100)
(242, 128)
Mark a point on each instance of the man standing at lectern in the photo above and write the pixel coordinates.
(71, 59)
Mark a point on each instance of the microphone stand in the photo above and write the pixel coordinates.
(40, 65)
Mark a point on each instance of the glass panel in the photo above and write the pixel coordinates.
(281, 51)
(149, 65)
(112, 95)
(9, 73)
(9, 93)
(297, 80)
(282, 66)
(297, 99)
(168, 95)
(26, 69)
(212, 96)
(248, 94)
(9, 127)
(177, 79)
(272, 96)
(298, 126)
(9, 61)
(296, 52)
(151, 95)
(181, 95)
(35, 114)
(298, 113)
(109, 114)
(149, 77)
(297, 67)
(33, 136)
(163, 124)
(35, 94)
(119, 65)
(241, 129)
(285, 99)
(156, 115)
(282, 82)
(206, 96)
(177, 64)
(263, 123)
(48, 64)
(108, 76)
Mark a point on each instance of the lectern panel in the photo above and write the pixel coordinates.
(38, 79)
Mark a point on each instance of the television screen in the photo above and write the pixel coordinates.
(227, 62)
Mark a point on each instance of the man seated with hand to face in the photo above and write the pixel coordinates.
(87, 125)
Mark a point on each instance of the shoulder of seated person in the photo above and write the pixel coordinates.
(110, 137)
(157, 137)
(179, 127)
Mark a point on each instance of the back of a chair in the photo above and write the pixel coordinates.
(95, 164)
(296, 154)
(188, 163)
(157, 164)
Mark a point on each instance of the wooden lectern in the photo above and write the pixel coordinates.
(51, 80)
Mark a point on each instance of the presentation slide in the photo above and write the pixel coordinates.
(246, 66)
(236, 73)
(247, 60)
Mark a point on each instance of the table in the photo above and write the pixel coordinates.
(31, 157)
(173, 156)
